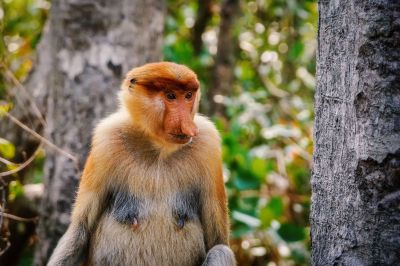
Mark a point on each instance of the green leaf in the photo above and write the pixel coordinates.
(245, 183)
(4, 108)
(7, 149)
(15, 190)
(276, 206)
(292, 232)
(259, 167)
(240, 229)
(247, 205)
(240, 159)
(296, 50)
(272, 211)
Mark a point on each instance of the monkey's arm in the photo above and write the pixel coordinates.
(216, 223)
(73, 246)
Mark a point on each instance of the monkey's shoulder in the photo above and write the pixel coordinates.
(207, 144)
(108, 144)
(115, 138)
(108, 129)
(208, 134)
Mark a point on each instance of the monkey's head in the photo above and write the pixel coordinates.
(162, 99)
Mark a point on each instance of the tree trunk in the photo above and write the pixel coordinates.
(223, 70)
(204, 14)
(88, 46)
(355, 217)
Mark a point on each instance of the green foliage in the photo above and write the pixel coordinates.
(7, 149)
(21, 24)
(35, 174)
(273, 210)
(26, 258)
(292, 232)
(267, 136)
(15, 190)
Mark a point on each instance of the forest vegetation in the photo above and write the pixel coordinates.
(256, 64)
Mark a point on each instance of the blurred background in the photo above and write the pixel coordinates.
(256, 64)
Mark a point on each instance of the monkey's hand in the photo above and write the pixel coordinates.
(220, 255)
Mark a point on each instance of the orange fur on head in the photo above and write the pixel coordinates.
(158, 76)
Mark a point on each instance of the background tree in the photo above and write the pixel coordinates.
(90, 45)
(222, 76)
(355, 218)
(84, 52)
(204, 14)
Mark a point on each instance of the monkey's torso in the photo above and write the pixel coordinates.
(161, 231)
(152, 211)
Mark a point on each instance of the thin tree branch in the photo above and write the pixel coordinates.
(44, 140)
(17, 218)
(35, 108)
(24, 164)
(274, 90)
(6, 162)
(7, 245)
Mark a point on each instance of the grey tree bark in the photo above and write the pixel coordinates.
(355, 216)
(87, 48)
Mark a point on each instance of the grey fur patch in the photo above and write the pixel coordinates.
(125, 207)
(220, 255)
(186, 206)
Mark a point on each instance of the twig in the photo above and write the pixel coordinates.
(8, 244)
(44, 140)
(17, 218)
(19, 85)
(6, 162)
(2, 206)
(24, 164)
(274, 90)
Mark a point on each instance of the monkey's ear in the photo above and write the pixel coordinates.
(132, 83)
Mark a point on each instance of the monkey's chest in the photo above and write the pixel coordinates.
(178, 209)
(150, 231)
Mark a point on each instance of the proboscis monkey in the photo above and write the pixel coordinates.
(152, 191)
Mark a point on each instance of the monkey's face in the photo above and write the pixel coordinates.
(178, 125)
(163, 98)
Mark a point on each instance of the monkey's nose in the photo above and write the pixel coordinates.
(190, 130)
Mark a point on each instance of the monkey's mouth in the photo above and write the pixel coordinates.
(180, 138)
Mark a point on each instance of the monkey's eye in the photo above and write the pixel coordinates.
(189, 95)
(132, 81)
(171, 96)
